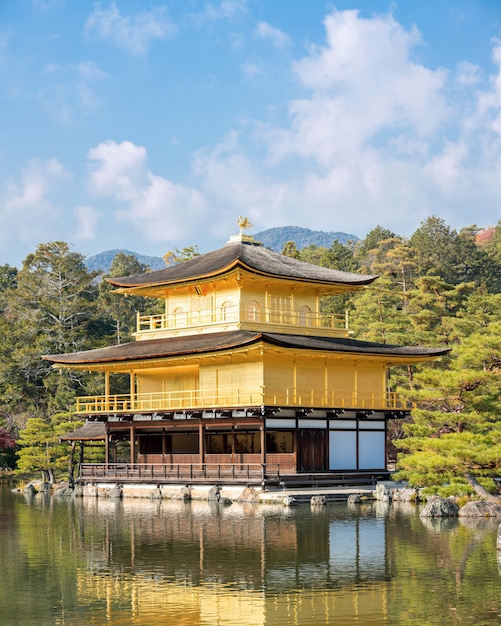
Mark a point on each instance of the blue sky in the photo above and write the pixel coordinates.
(152, 125)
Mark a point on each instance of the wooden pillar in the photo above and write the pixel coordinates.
(107, 449)
(132, 445)
(80, 458)
(201, 444)
(263, 444)
(296, 444)
(107, 387)
(132, 389)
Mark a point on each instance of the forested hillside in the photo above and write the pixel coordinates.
(437, 287)
(273, 238)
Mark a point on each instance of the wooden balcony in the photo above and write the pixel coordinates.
(272, 319)
(206, 399)
(192, 473)
(270, 474)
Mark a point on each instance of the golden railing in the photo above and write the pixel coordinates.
(206, 399)
(228, 314)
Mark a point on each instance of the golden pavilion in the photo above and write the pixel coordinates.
(242, 378)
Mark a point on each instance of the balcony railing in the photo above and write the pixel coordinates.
(231, 314)
(206, 399)
(181, 472)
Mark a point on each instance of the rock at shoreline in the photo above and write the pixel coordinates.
(383, 492)
(406, 495)
(29, 490)
(63, 492)
(115, 492)
(480, 508)
(318, 500)
(354, 498)
(249, 494)
(440, 507)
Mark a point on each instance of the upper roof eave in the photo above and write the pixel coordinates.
(254, 259)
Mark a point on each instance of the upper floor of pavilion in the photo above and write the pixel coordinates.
(241, 286)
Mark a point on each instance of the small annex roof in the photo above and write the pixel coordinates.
(90, 431)
(215, 342)
(247, 255)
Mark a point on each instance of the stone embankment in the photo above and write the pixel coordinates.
(226, 495)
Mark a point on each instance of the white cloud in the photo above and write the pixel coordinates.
(379, 138)
(225, 10)
(120, 170)
(251, 70)
(277, 37)
(364, 86)
(87, 221)
(134, 33)
(69, 91)
(468, 74)
(157, 208)
(26, 209)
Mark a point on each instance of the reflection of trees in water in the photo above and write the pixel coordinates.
(442, 558)
(415, 571)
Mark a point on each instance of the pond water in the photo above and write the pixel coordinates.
(139, 562)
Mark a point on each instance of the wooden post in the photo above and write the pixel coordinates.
(132, 445)
(107, 389)
(201, 444)
(107, 449)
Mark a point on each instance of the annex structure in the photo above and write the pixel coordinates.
(242, 379)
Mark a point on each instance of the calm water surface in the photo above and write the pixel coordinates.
(138, 562)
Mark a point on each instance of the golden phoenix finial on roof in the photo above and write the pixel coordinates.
(244, 223)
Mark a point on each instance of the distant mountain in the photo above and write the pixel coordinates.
(101, 262)
(273, 238)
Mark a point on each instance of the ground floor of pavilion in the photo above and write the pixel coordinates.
(254, 446)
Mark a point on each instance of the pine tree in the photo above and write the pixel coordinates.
(454, 438)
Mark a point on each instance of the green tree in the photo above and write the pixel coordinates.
(290, 249)
(473, 263)
(379, 313)
(40, 449)
(312, 254)
(49, 311)
(433, 245)
(174, 257)
(454, 438)
(120, 311)
(431, 306)
(365, 248)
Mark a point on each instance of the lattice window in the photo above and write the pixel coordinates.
(201, 309)
(280, 309)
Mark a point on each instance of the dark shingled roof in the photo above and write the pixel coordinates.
(91, 431)
(247, 255)
(210, 342)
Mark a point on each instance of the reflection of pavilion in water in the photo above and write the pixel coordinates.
(198, 563)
